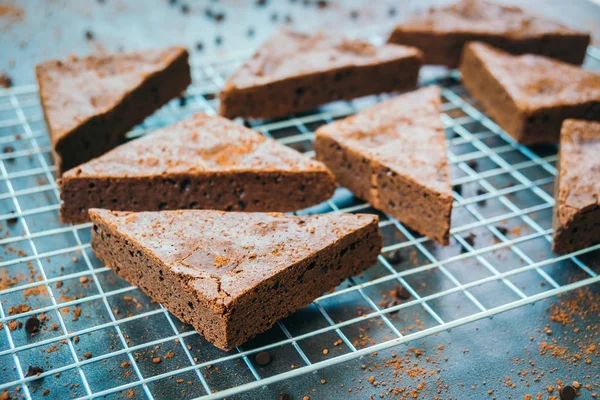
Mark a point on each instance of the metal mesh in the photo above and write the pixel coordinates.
(102, 337)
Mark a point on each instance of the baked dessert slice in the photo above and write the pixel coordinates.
(529, 95)
(205, 162)
(576, 218)
(441, 33)
(393, 155)
(91, 103)
(295, 72)
(232, 275)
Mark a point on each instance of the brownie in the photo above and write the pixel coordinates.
(576, 219)
(91, 103)
(203, 162)
(529, 95)
(393, 155)
(232, 275)
(294, 72)
(441, 33)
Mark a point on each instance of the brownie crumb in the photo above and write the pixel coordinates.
(262, 358)
(32, 324)
(5, 80)
(46, 392)
(33, 370)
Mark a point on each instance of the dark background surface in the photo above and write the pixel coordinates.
(484, 358)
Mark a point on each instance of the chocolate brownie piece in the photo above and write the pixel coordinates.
(576, 219)
(205, 162)
(393, 155)
(294, 72)
(232, 275)
(441, 33)
(91, 103)
(529, 95)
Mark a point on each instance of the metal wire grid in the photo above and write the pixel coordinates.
(498, 184)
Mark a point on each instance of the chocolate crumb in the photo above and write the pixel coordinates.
(33, 370)
(5, 80)
(12, 220)
(470, 239)
(322, 3)
(32, 324)
(262, 358)
(458, 189)
(284, 396)
(9, 150)
(503, 230)
(390, 304)
(46, 392)
(473, 165)
(89, 35)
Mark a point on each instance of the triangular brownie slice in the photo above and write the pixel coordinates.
(576, 219)
(529, 95)
(441, 33)
(91, 103)
(233, 275)
(294, 72)
(393, 155)
(204, 162)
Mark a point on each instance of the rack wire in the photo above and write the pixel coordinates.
(102, 335)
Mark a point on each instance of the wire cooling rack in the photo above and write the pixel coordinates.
(101, 337)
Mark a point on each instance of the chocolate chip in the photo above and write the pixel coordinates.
(33, 370)
(12, 220)
(567, 393)
(394, 256)
(402, 293)
(89, 35)
(502, 229)
(458, 189)
(479, 193)
(284, 396)
(32, 325)
(472, 164)
(262, 358)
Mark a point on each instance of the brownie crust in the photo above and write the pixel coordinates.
(576, 217)
(294, 72)
(529, 96)
(89, 136)
(442, 33)
(204, 297)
